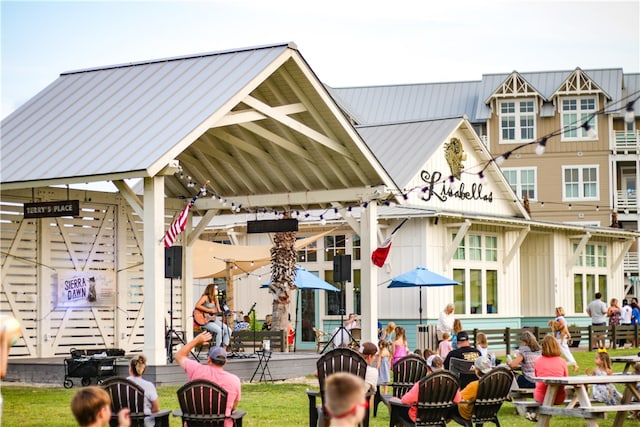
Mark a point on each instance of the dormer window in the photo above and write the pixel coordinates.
(517, 120)
(575, 113)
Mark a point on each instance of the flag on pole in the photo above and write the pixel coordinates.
(179, 224)
(379, 256)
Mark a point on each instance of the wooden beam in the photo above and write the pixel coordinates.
(244, 116)
(462, 231)
(625, 249)
(571, 261)
(514, 249)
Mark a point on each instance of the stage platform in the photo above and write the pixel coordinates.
(51, 371)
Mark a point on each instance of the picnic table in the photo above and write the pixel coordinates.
(585, 409)
(629, 361)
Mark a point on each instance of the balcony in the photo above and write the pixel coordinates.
(626, 201)
(631, 263)
(627, 141)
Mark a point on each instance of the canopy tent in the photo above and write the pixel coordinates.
(210, 259)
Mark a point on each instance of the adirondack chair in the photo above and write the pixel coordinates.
(406, 372)
(127, 394)
(463, 369)
(341, 359)
(322, 339)
(203, 403)
(493, 390)
(435, 401)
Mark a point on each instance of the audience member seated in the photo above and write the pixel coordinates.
(345, 399)
(528, 353)
(482, 366)
(91, 406)
(369, 351)
(266, 326)
(464, 350)
(244, 324)
(137, 366)
(212, 371)
(550, 364)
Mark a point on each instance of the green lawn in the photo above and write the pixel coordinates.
(278, 404)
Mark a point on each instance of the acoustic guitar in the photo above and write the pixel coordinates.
(202, 318)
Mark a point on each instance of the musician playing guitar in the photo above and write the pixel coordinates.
(207, 313)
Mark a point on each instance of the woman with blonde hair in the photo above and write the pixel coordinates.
(137, 366)
(562, 335)
(389, 332)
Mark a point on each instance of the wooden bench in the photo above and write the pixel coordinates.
(590, 412)
(251, 341)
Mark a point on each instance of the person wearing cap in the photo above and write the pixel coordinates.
(464, 350)
(212, 371)
(482, 366)
(369, 351)
(434, 363)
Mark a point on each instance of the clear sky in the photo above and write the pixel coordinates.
(346, 43)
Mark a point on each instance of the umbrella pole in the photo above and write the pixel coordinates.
(420, 309)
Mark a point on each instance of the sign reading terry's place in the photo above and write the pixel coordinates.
(52, 209)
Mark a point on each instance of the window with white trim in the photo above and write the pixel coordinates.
(522, 181)
(475, 265)
(575, 112)
(590, 275)
(580, 182)
(517, 120)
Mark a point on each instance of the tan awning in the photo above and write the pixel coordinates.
(210, 259)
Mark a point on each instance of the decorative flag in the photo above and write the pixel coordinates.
(379, 256)
(179, 224)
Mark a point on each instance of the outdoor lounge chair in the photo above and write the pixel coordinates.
(493, 390)
(406, 372)
(203, 403)
(463, 369)
(435, 401)
(341, 359)
(127, 394)
(322, 339)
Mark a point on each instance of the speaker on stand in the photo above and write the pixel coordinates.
(341, 274)
(172, 270)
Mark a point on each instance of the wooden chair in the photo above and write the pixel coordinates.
(127, 394)
(341, 359)
(406, 372)
(435, 401)
(493, 390)
(356, 334)
(203, 403)
(463, 369)
(322, 339)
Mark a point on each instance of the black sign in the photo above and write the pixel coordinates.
(52, 209)
(272, 225)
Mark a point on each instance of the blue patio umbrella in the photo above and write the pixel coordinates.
(305, 280)
(419, 277)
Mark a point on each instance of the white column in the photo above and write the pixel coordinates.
(187, 282)
(154, 295)
(369, 273)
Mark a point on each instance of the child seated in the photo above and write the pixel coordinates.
(605, 393)
(346, 399)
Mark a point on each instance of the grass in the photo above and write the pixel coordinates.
(267, 404)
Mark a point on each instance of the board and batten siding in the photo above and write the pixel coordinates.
(33, 250)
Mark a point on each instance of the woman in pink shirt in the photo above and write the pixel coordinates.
(550, 364)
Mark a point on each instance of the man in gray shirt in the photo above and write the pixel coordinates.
(597, 309)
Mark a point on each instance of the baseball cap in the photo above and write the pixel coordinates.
(483, 363)
(462, 336)
(432, 359)
(218, 354)
(369, 348)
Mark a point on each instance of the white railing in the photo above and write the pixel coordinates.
(626, 201)
(628, 141)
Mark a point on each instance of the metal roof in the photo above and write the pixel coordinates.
(403, 148)
(234, 118)
(399, 103)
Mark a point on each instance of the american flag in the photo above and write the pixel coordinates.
(379, 256)
(178, 225)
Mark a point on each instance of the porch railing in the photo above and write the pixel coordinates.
(627, 141)
(626, 201)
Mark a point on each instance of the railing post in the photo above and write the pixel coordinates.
(507, 340)
(614, 337)
(590, 336)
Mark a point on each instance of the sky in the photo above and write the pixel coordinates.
(346, 43)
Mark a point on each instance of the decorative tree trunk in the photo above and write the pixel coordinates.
(283, 264)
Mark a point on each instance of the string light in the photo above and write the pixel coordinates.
(540, 143)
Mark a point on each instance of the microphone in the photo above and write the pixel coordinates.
(252, 309)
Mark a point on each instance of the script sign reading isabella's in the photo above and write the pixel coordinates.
(52, 209)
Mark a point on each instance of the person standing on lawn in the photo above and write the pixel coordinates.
(562, 335)
(625, 319)
(213, 371)
(597, 309)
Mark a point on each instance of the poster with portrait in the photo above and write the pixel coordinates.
(86, 289)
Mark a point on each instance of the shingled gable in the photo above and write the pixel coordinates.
(234, 118)
(414, 153)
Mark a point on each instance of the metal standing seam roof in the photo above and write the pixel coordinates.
(234, 118)
(426, 101)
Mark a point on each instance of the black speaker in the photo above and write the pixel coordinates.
(173, 262)
(342, 268)
(272, 225)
